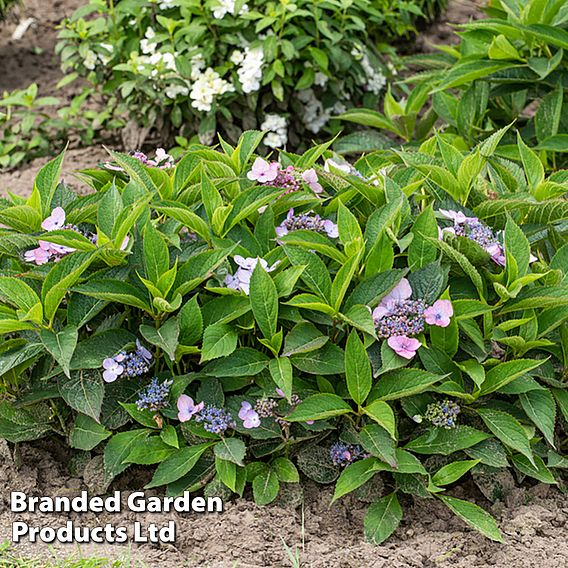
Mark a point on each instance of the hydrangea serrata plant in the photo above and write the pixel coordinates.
(348, 353)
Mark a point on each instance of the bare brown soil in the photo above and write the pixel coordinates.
(534, 522)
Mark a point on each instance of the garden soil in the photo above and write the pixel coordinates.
(534, 520)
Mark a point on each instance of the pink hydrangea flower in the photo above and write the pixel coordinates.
(262, 171)
(404, 346)
(439, 313)
(40, 255)
(311, 178)
(248, 415)
(187, 408)
(112, 370)
(402, 291)
(458, 217)
(55, 221)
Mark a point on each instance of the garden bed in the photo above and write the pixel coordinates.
(534, 522)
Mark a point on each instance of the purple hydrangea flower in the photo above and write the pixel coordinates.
(155, 396)
(112, 369)
(215, 420)
(307, 222)
(187, 408)
(241, 279)
(443, 414)
(344, 454)
(249, 416)
(55, 221)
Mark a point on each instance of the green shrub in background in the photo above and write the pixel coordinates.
(510, 67)
(180, 67)
(389, 327)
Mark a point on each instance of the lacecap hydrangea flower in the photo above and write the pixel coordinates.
(241, 279)
(398, 318)
(443, 414)
(308, 222)
(345, 454)
(248, 415)
(187, 408)
(215, 420)
(155, 396)
(133, 364)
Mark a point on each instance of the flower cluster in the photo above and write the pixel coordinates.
(277, 128)
(287, 179)
(375, 81)
(133, 364)
(307, 222)
(51, 251)
(398, 318)
(215, 420)
(477, 231)
(207, 85)
(241, 279)
(443, 414)
(224, 7)
(250, 62)
(162, 159)
(155, 396)
(344, 454)
(249, 415)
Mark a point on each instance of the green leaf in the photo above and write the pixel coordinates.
(452, 472)
(264, 301)
(329, 360)
(541, 409)
(379, 443)
(421, 250)
(504, 373)
(382, 519)
(508, 430)
(474, 516)
(177, 465)
(353, 476)
(403, 382)
(231, 449)
(350, 233)
(315, 274)
(190, 322)
(169, 436)
(265, 487)
(516, 247)
(87, 433)
(285, 470)
(60, 278)
(446, 441)
(219, 340)
(537, 470)
(61, 345)
(110, 206)
(319, 407)
(119, 448)
(156, 255)
(153, 450)
(84, 392)
(303, 338)
(166, 337)
(144, 417)
(185, 216)
(383, 414)
(46, 182)
(357, 369)
(16, 292)
(282, 374)
(243, 362)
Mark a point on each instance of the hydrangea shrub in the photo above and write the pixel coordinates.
(228, 65)
(390, 326)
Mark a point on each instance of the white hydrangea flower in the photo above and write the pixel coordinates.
(173, 91)
(315, 117)
(250, 71)
(106, 57)
(321, 79)
(165, 4)
(90, 60)
(224, 7)
(376, 81)
(237, 57)
(197, 66)
(277, 127)
(208, 85)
